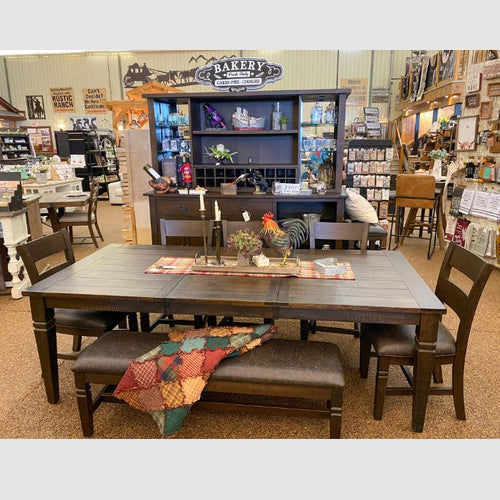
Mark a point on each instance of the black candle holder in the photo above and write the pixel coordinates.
(203, 213)
(218, 231)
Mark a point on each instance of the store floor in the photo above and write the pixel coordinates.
(25, 413)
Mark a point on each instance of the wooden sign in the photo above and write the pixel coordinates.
(358, 88)
(239, 73)
(93, 100)
(473, 83)
(63, 100)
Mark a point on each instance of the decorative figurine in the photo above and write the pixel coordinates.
(213, 118)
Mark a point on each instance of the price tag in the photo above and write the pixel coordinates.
(246, 215)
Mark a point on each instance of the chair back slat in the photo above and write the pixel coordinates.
(455, 295)
(94, 198)
(33, 252)
(185, 229)
(339, 231)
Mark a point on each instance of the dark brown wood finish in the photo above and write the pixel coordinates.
(386, 290)
(177, 206)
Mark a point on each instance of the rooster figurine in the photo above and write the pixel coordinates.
(291, 234)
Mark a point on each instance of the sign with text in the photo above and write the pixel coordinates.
(93, 100)
(358, 88)
(239, 74)
(63, 100)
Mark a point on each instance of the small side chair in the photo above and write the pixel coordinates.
(395, 344)
(44, 257)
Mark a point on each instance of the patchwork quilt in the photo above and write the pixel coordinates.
(170, 378)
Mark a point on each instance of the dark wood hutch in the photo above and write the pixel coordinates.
(277, 155)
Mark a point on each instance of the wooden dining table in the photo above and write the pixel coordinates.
(55, 202)
(386, 289)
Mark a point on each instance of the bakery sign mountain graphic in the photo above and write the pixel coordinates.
(239, 74)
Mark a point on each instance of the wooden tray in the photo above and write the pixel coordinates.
(291, 268)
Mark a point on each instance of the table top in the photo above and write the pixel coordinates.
(48, 200)
(386, 287)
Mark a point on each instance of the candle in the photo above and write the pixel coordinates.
(217, 211)
(202, 202)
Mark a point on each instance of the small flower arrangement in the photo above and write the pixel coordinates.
(220, 153)
(283, 119)
(245, 242)
(438, 154)
(40, 168)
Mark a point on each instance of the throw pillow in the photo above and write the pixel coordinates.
(359, 208)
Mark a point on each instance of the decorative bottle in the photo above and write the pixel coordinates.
(276, 117)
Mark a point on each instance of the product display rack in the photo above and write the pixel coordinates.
(275, 154)
(15, 147)
(368, 170)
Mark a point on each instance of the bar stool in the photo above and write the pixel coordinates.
(416, 192)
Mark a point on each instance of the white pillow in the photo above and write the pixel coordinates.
(359, 208)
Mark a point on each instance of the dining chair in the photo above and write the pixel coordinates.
(395, 344)
(230, 227)
(85, 218)
(183, 230)
(45, 256)
(416, 192)
(353, 233)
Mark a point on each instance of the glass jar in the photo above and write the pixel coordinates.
(316, 114)
(330, 113)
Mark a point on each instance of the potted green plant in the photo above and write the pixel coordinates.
(220, 153)
(283, 121)
(246, 243)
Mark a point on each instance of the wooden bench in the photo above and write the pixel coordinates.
(278, 368)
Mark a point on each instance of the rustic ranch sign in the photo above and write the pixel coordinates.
(239, 74)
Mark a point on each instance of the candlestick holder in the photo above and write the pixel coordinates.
(217, 231)
(203, 212)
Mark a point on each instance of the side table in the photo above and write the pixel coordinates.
(15, 232)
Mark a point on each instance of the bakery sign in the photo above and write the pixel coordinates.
(239, 74)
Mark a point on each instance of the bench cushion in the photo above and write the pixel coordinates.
(287, 362)
(112, 352)
(96, 322)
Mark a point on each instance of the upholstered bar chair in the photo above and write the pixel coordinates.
(395, 344)
(416, 192)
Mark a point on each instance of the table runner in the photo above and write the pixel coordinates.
(169, 379)
(182, 265)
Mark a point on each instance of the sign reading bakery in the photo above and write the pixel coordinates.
(238, 74)
(63, 99)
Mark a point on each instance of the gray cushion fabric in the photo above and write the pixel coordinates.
(399, 340)
(112, 352)
(97, 321)
(280, 361)
(276, 361)
(376, 230)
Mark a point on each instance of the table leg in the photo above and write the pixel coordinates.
(44, 326)
(54, 219)
(424, 361)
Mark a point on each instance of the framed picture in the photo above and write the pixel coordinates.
(472, 100)
(494, 89)
(36, 108)
(473, 83)
(467, 133)
(485, 109)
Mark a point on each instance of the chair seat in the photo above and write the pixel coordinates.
(93, 321)
(75, 217)
(399, 340)
(376, 230)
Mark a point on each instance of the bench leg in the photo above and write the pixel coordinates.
(336, 412)
(84, 400)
